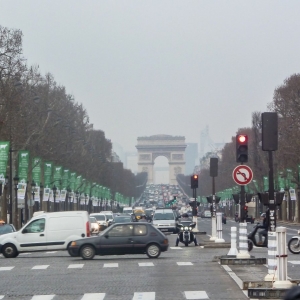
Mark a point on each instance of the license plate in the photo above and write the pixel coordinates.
(164, 229)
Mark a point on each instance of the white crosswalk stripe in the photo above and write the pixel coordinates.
(111, 265)
(175, 248)
(43, 297)
(146, 264)
(6, 268)
(144, 296)
(93, 296)
(196, 295)
(75, 266)
(184, 263)
(294, 262)
(40, 267)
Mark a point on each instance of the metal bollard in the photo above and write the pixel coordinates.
(233, 250)
(282, 282)
(219, 238)
(213, 229)
(272, 263)
(243, 242)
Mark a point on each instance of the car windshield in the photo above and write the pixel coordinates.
(109, 216)
(99, 217)
(119, 219)
(93, 220)
(164, 216)
(6, 229)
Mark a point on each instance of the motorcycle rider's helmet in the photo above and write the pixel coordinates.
(293, 293)
(185, 215)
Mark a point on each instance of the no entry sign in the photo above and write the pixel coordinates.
(242, 175)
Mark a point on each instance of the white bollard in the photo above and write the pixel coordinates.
(219, 238)
(213, 229)
(195, 220)
(282, 282)
(233, 249)
(243, 242)
(272, 263)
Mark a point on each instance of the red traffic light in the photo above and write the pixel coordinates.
(245, 207)
(242, 138)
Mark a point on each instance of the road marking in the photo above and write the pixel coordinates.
(144, 296)
(40, 267)
(24, 253)
(1, 296)
(294, 262)
(113, 265)
(175, 248)
(51, 252)
(43, 297)
(184, 263)
(6, 268)
(75, 266)
(93, 296)
(196, 295)
(146, 264)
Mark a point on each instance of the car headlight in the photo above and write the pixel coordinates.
(186, 228)
(190, 228)
(181, 228)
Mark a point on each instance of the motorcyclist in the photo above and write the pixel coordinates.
(236, 217)
(185, 217)
(265, 227)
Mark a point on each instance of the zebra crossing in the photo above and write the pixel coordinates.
(105, 265)
(189, 295)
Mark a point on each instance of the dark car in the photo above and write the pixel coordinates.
(250, 219)
(122, 218)
(119, 239)
(6, 228)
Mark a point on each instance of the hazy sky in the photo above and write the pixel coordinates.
(162, 67)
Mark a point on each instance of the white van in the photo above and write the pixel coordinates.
(127, 210)
(46, 231)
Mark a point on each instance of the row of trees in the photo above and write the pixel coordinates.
(38, 115)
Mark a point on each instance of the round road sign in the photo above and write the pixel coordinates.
(242, 175)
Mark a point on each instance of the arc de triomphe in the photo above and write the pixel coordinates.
(171, 147)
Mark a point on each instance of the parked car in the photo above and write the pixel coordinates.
(206, 214)
(119, 239)
(95, 227)
(101, 220)
(7, 228)
(46, 231)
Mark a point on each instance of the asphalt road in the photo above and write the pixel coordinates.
(180, 273)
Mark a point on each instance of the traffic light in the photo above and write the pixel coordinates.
(213, 167)
(194, 181)
(269, 131)
(241, 148)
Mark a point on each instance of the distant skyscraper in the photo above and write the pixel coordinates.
(191, 157)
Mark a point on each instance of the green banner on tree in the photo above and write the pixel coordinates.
(4, 149)
(48, 166)
(65, 179)
(72, 181)
(78, 183)
(57, 174)
(23, 164)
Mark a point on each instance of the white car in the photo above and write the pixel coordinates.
(101, 220)
(95, 227)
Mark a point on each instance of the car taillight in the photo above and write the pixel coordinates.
(88, 233)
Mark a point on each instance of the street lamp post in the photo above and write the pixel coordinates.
(33, 185)
(16, 182)
(54, 197)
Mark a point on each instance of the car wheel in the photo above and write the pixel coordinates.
(87, 252)
(9, 251)
(153, 251)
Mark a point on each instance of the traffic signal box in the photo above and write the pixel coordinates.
(241, 148)
(194, 181)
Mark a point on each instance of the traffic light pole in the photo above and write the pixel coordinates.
(213, 216)
(242, 204)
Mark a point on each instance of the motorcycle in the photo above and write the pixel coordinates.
(294, 244)
(237, 219)
(253, 238)
(186, 236)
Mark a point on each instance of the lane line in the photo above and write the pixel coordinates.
(144, 296)
(146, 264)
(43, 297)
(6, 268)
(111, 265)
(93, 296)
(196, 295)
(76, 266)
(40, 267)
(184, 263)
